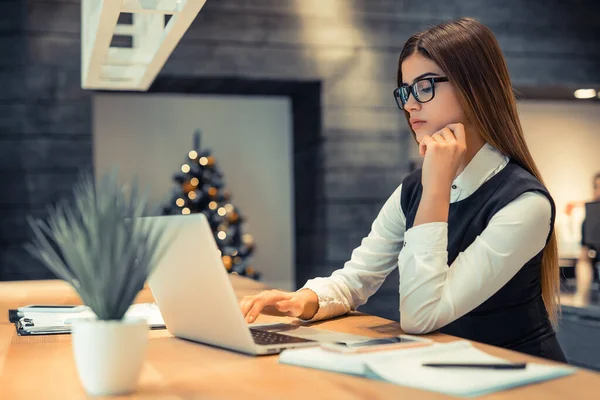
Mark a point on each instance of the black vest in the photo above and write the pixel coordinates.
(515, 316)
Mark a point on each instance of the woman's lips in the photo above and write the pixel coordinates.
(417, 124)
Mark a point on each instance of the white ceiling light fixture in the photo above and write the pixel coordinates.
(585, 93)
(153, 41)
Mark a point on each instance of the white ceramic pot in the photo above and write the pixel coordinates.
(109, 354)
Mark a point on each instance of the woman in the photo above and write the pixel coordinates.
(472, 232)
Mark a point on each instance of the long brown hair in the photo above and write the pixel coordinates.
(467, 51)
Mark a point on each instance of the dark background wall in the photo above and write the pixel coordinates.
(351, 47)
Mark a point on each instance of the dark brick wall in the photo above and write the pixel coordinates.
(45, 123)
(351, 47)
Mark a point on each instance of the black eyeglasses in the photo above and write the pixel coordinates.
(423, 91)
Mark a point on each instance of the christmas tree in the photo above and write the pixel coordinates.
(200, 188)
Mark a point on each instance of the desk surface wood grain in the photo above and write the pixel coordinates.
(43, 367)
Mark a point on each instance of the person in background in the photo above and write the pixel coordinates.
(472, 231)
(584, 268)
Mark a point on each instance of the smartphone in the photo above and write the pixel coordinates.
(377, 344)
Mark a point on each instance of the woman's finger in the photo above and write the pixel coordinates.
(438, 137)
(257, 307)
(447, 134)
(246, 304)
(263, 300)
(459, 132)
(423, 144)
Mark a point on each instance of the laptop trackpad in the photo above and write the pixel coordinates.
(319, 335)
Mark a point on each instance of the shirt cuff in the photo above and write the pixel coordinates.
(329, 305)
(432, 236)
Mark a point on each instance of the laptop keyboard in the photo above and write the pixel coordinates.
(269, 338)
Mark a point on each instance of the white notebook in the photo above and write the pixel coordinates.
(404, 367)
(46, 323)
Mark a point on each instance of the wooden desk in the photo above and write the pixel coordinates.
(43, 367)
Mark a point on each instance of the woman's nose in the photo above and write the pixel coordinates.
(412, 104)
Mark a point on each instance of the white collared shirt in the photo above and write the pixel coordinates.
(433, 295)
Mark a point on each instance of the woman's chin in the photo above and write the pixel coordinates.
(420, 133)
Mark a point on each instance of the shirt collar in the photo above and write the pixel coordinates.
(484, 165)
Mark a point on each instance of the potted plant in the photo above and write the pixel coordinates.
(99, 244)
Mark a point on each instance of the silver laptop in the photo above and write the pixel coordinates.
(192, 290)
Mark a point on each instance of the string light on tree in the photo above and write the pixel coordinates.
(227, 262)
(199, 187)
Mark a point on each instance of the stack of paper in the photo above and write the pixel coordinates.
(404, 367)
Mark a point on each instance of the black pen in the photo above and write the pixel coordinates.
(484, 365)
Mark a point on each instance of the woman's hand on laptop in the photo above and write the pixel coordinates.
(302, 304)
